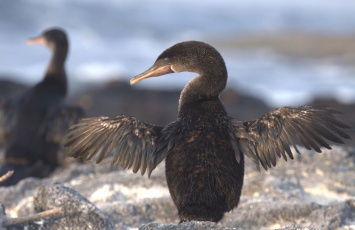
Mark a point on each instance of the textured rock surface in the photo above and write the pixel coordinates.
(314, 191)
(79, 213)
(186, 225)
(76, 211)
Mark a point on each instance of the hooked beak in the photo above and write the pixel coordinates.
(152, 72)
(38, 40)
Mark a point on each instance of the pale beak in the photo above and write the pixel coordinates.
(152, 72)
(38, 40)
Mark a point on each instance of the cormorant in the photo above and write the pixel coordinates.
(33, 124)
(204, 147)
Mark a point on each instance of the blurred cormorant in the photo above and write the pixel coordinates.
(33, 124)
(204, 147)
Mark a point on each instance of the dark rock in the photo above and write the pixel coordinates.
(79, 213)
(116, 97)
(157, 106)
(10, 88)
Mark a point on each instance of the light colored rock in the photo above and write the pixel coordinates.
(314, 191)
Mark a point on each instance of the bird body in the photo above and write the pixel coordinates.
(204, 148)
(28, 108)
(203, 175)
(29, 122)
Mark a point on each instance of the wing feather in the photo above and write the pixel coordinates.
(133, 143)
(273, 133)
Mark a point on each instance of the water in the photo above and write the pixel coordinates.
(116, 39)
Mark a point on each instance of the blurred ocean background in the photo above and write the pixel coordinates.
(284, 52)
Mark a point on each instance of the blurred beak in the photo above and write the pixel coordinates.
(38, 40)
(152, 72)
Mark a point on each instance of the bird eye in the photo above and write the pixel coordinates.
(166, 59)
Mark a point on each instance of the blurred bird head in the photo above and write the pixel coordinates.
(52, 38)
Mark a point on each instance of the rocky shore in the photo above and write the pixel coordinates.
(314, 191)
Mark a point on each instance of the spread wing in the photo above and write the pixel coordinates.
(56, 125)
(133, 143)
(272, 134)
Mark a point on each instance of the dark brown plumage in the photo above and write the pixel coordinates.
(204, 148)
(33, 124)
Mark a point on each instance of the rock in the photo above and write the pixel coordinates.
(193, 225)
(313, 191)
(157, 106)
(79, 213)
(335, 216)
(9, 88)
(18, 199)
(298, 227)
(277, 214)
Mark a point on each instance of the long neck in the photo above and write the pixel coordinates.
(55, 68)
(207, 86)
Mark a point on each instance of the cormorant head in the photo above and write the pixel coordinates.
(190, 56)
(51, 38)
